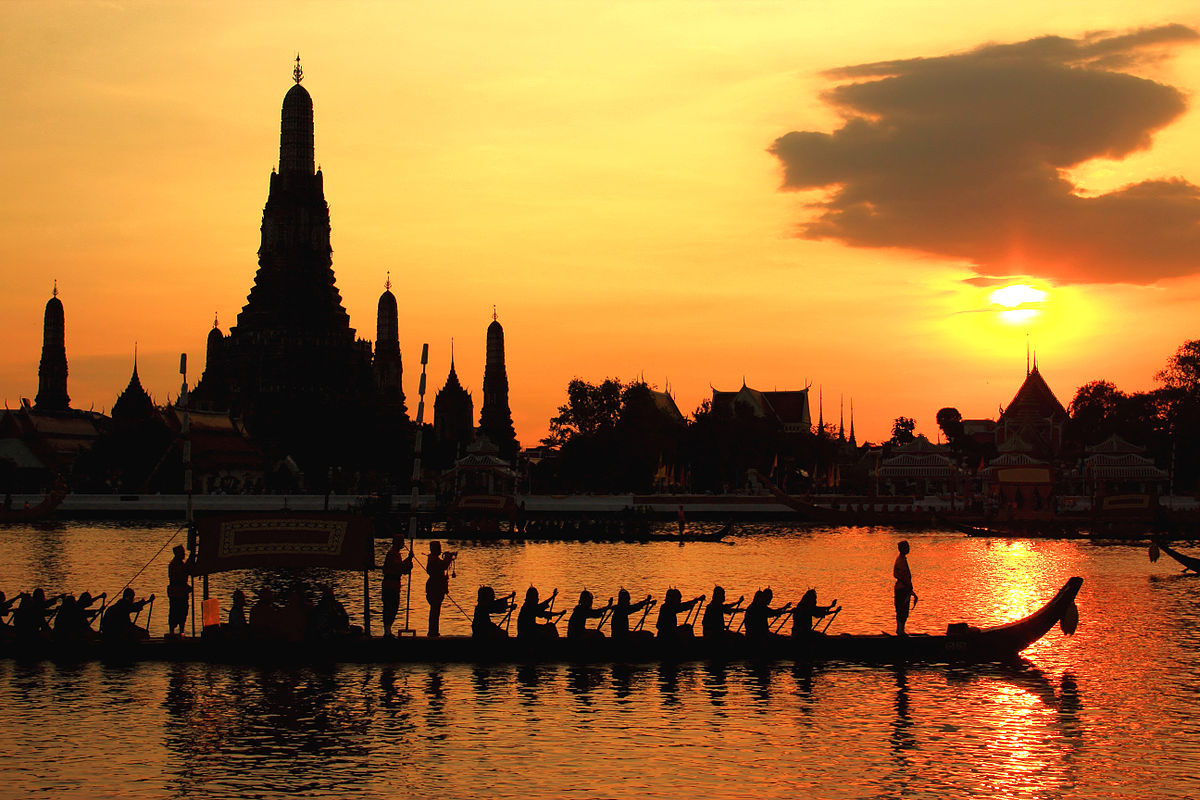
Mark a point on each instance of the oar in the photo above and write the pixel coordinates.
(778, 624)
(729, 621)
(829, 620)
(687, 620)
(149, 614)
(645, 612)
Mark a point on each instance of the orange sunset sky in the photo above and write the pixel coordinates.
(694, 191)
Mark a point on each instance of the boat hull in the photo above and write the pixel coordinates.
(968, 644)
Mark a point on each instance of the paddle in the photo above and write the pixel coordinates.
(829, 619)
(687, 620)
(645, 612)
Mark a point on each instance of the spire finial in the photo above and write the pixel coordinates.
(297, 73)
(216, 324)
(135, 357)
(387, 286)
(494, 312)
(451, 352)
(55, 293)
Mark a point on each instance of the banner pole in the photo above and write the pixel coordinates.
(415, 498)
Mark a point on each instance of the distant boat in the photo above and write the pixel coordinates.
(42, 510)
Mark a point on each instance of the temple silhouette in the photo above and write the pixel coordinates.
(292, 368)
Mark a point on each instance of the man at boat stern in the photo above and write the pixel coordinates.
(904, 588)
(179, 590)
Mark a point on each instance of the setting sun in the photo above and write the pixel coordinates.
(1020, 302)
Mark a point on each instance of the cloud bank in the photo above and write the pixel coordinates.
(963, 156)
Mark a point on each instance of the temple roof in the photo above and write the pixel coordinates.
(1033, 401)
(134, 403)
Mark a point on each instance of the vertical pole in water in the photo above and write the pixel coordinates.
(416, 484)
(185, 429)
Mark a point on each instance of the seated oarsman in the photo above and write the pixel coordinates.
(264, 616)
(31, 620)
(759, 615)
(621, 611)
(577, 623)
(668, 625)
(236, 620)
(73, 623)
(488, 605)
(117, 624)
(714, 624)
(293, 617)
(806, 614)
(6, 609)
(328, 619)
(534, 609)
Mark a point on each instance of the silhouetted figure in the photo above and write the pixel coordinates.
(117, 624)
(6, 609)
(437, 585)
(487, 605)
(759, 615)
(668, 625)
(904, 588)
(531, 611)
(577, 623)
(179, 590)
(31, 619)
(293, 617)
(807, 612)
(236, 621)
(395, 566)
(681, 518)
(328, 619)
(264, 616)
(619, 624)
(73, 623)
(714, 625)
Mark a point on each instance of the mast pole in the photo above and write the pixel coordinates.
(416, 484)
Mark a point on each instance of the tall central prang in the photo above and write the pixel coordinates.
(291, 367)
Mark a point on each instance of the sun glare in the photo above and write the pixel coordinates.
(1020, 302)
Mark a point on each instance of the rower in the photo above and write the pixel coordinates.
(73, 623)
(807, 612)
(487, 604)
(619, 624)
(30, 620)
(714, 625)
(759, 615)
(668, 624)
(577, 623)
(531, 611)
(116, 624)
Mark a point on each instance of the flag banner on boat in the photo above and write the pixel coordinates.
(283, 539)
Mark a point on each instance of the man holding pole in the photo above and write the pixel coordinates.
(395, 566)
(179, 590)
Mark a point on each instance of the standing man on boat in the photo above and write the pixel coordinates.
(179, 590)
(904, 588)
(437, 586)
(395, 566)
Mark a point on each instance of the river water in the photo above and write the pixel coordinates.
(1112, 712)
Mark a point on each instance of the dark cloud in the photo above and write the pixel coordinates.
(962, 156)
